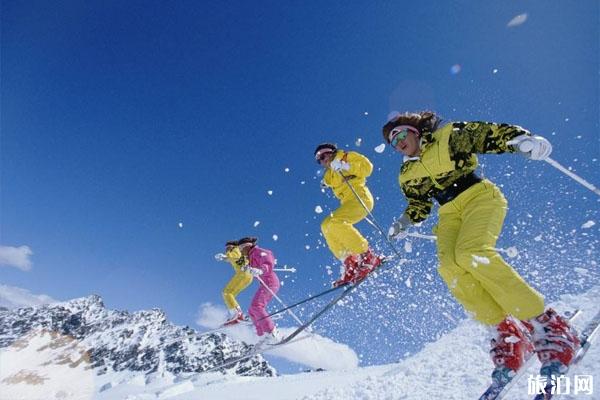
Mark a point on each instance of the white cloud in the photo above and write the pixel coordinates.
(309, 349)
(15, 297)
(16, 257)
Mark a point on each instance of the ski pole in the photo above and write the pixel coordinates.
(284, 269)
(527, 145)
(372, 220)
(279, 300)
(509, 251)
(572, 175)
(323, 293)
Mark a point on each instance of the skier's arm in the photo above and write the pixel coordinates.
(483, 137)
(419, 206)
(263, 262)
(360, 165)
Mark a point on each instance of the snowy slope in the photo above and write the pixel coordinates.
(456, 366)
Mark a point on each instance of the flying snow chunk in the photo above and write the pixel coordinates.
(275, 237)
(256, 223)
(518, 20)
(307, 247)
(358, 142)
(495, 71)
(380, 149)
(318, 209)
(180, 224)
(270, 192)
(455, 69)
(588, 224)
(287, 169)
(366, 113)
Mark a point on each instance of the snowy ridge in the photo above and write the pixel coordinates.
(84, 340)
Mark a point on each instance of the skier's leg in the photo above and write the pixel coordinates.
(229, 294)
(258, 311)
(242, 281)
(483, 210)
(341, 236)
(463, 286)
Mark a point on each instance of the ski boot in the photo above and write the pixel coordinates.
(235, 317)
(512, 346)
(349, 270)
(368, 263)
(270, 338)
(556, 342)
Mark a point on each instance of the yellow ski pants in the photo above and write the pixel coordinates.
(475, 273)
(240, 281)
(342, 237)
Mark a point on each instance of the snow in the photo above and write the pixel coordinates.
(275, 237)
(256, 223)
(380, 149)
(517, 20)
(588, 224)
(270, 192)
(457, 365)
(318, 209)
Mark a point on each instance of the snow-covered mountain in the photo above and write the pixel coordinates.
(80, 340)
(456, 366)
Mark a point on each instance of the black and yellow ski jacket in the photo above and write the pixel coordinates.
(447, 155)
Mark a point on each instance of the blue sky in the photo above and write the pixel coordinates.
(122, 119)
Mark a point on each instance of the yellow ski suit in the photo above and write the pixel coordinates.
(240, 281)
(342, 237)
(470, 223)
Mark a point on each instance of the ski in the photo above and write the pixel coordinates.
(348, 289)
(497, 391)
(586, 338)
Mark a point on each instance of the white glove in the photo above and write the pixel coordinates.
(255, 271)
(338, 166)
(398, 230)
(532, 147)
(220, 257)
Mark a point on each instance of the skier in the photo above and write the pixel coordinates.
(439, 163)
(344, 169)
(260, 264)
(240, 281)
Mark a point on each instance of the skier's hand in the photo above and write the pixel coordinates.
(338, 166)
(398, 230)
(220, 257)
(532, 147)
(255, 272)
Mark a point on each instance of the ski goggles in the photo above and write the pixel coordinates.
(322, 154)
(400, 133)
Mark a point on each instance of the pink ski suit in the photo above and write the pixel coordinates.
(263, 259)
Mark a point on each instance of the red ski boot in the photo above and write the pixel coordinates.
(236, 317)
(511, 347)
(368, 263)
(555, 342)
(350, 271)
